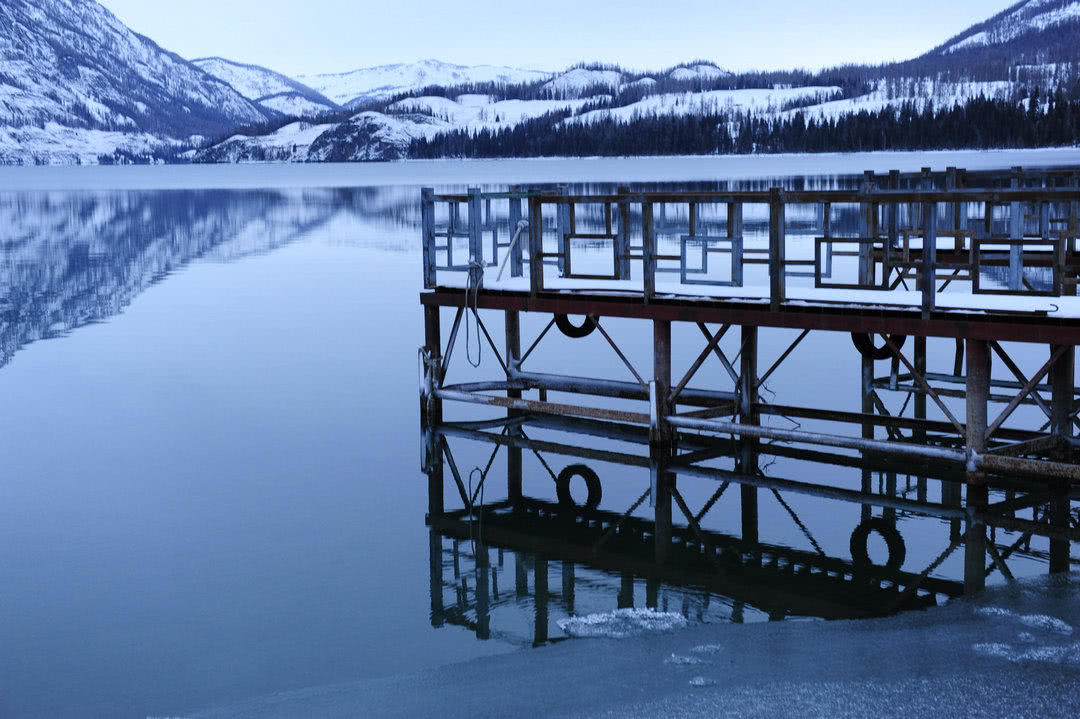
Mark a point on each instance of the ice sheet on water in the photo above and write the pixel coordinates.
(683, 660)
(1043, 622)
(1065, 654)
(1046, 623)
(707, 649)
(622, 623)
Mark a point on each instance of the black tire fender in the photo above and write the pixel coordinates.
(865, 344)
(897, 549)
(592, 482)
(569, 329)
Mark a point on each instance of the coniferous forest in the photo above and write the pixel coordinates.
(1039, 120)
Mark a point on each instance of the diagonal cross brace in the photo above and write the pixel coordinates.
(925, 385)
(720, 354)
(714, 342)
(626, 362)
(1028, 388)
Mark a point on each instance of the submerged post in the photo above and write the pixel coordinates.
(540, 600)
(1062, 387)
(513, 454)
(749, 413)
(660, 437)
(978, 397)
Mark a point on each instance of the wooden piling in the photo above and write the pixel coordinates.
(777, 243)
(978, 397)
(1062, 388)
(622, 238)
(749, 413)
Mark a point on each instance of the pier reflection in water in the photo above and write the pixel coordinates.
(534, 521)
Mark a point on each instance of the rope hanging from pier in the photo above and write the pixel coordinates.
(522, 225)
(472, 298)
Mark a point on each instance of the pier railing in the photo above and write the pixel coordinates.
(1016, 240)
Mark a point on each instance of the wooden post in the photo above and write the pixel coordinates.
(957, 211)
(483, 589)
(431, 410)
(568, 586)
(660, 440)
(735, 232)
(978, 397)
(929, 261)
(453, 211)
(648, 250)
(1016, 233)
(777, 242)
(521, 575)
(868, 408)
(427, 223)
(749, 413)
(562, 222)
(893, 228)
(476, 236)
(540, 600)
(1062, 386)
(652, 593)
(622, 239)
(536, 245)
(868, 230)
(435, 572)
(513, 454)
(516, 268)
(626, 591)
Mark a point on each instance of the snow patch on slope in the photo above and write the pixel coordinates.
(1029, 17)
(713, 101)
(579, 80)
(385, 81)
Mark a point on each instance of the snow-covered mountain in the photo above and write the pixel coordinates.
(71, 74)
(374, 83)
(269, 89)
(1030, 16)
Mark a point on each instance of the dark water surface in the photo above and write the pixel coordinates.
(212, 487)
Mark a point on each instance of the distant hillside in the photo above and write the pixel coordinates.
(271, 90)
(351, 89)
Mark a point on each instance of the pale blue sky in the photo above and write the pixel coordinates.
(338, 35)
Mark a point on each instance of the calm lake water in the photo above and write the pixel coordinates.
(212, 467)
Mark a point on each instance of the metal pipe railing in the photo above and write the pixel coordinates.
(882, 241)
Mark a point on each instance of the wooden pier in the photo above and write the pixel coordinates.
(978, 260)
